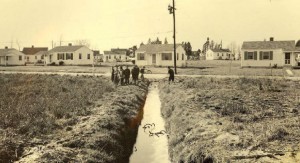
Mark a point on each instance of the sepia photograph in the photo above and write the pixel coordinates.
(150, 81)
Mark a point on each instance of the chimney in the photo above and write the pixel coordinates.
(32, 46)
(271, 38)
(6, 47)
(70, 44)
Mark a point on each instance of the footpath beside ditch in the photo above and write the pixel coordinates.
(105, 135)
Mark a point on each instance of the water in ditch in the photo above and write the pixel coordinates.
(152, 141)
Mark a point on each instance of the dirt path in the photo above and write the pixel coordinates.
(103, 136)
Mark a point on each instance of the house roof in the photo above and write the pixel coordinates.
(116, 51)
(285, 45)
(41, 53)
(155, 48)
(220, 50)
(33, 50)
(65, 48)
(4, 52)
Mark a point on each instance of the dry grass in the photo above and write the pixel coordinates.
(250, 114)
(32, 105)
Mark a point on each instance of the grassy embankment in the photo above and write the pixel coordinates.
(64, 118)
(236, 120)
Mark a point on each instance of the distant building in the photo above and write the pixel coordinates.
(270, 53)
(34, 54)
(98, 57)
(218, 54)
(11, 57)
(160, 55)
(115, 55)
(70, 55)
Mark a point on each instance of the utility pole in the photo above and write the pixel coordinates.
(172, 11)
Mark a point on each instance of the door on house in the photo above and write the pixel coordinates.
(50, 58)
(287, 58)
(153, 59)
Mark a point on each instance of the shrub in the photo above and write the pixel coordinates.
(61, 63)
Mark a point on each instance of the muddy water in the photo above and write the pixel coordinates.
(151, 144)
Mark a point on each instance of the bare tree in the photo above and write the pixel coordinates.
(239, 52)
(232, 47)
(83, 42)
(60, 39)
(18, 44)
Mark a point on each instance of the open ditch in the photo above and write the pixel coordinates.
(151, 145)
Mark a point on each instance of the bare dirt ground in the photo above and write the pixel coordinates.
(105, 132)
(232, 120)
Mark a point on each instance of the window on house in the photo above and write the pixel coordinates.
(69, 56)
(20, 58)
(35, 57)
(177, 56)
(6, 58)
(166, 56)
(88, 56)
(250, 55)
(222, 54)
(42, 57)
(182, 56)
(60, 56)
(80, 55)
(109, 57)
(120, 57)
(266, 55)
(140, 56)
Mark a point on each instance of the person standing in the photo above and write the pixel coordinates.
(116, 76)
(142, 73)
(122, 76)
(112, 73)
(137, 72)
(134, 74)
(127, 75)
(171, 74)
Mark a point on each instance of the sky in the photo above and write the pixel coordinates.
(107, 24)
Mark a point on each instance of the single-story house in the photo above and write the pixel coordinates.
(160, 55)
(11, 56)
(34, 54)
(70, 55)
(115, 55)
(218, 54)
(270, 53)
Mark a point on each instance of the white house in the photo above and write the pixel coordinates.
(218, 54)
(70, 55)
(34, 54)
(11, 57)
(160, 55)
(115, 55)
(270, 53)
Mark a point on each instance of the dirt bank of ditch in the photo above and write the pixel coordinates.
(105, 135)
(232, 120)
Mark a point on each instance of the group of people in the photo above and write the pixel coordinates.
(121, 76)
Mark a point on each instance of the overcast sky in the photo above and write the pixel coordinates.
(123, 23)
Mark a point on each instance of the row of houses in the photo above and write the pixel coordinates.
(69, 55)
(254, 54)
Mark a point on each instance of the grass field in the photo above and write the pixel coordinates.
(200, 67)
(33, 105)
(236, 120)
